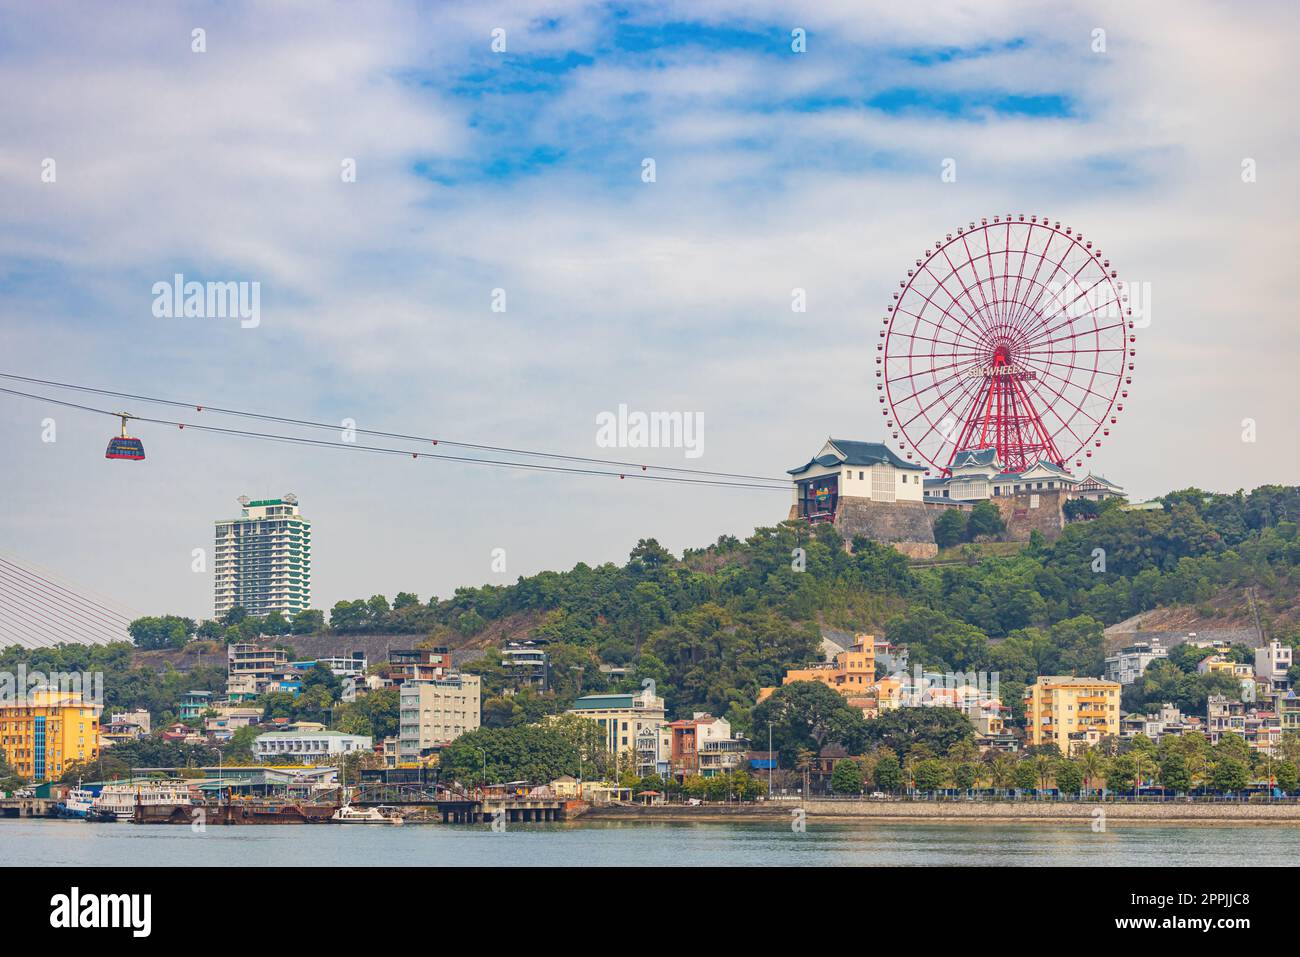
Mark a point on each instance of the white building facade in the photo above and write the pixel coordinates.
(308, 747)
(846, 468)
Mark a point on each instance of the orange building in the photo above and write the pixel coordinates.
(852, 673)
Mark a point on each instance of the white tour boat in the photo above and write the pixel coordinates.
(367, 815)
(120, 799)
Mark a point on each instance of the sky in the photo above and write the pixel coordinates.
(523, 170)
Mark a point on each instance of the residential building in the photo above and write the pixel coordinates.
(846, 469)
(1169, 720)
(250, 669)
(193, 704)
(1127, 665)
(308, 747)
(46, 731)
(434, 713)
(117, 731)
(622, 717)
(228, 720)
(527, 664)
(1261, 729)
(1272, 663)
(654, 751)
(413, 664)
(703, 745)
(262, 560)
(1072, 713)
(352, 666)
(1221, 665)
(852, 673)
(140, 718)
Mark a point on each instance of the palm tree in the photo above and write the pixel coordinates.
(1093, 766)
(803, 762)
(1044, 766)
(1002, 771)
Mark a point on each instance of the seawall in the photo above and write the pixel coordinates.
(973, 812)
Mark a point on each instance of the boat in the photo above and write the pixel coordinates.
(368, 815)
(77, 803)
(236, 811)
(122, 799)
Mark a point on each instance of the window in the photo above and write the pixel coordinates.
(860, 474)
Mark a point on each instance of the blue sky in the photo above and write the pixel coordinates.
(521, 171)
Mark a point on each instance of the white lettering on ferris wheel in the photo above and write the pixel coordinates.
(999, 372)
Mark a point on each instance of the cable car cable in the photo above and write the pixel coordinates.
(501, 463)
(308, 423)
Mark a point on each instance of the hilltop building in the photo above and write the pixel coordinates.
(852, 673)
(847, 469)
(262, 560)
(865, 489)
(527, 665)
(1272, 663)
(1127, 665)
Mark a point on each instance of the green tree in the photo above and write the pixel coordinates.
(1025, 776)
(887, 776)
(984, 520)
(930, 774)
(1174, 774)
(846, 777)
(1069, 776)
(950, 527)
(808, 715)
(1230, 775)
(964, 776)
(901, 729)
(1285, 776)
(165, 631)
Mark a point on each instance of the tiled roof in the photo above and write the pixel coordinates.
(858, 453)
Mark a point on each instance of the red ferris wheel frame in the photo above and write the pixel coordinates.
(1014, 335)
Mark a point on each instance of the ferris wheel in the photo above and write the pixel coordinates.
(1014, 335)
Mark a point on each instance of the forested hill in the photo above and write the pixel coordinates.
(715, 625)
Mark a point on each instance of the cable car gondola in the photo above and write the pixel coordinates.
(123, 446)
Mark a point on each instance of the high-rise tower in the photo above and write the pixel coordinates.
(262, 560)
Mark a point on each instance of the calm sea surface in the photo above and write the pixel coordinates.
(60, 843)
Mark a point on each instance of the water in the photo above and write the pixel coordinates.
(49, 843)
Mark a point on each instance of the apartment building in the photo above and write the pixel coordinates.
(262, 560)
(434, 713)
(1127, 665)
(44, 732)
(1072, 713)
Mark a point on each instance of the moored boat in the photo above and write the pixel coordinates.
(122, 799)
(368, 815)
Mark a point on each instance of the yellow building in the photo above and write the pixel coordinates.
(1072, 713)
(852, 673)
(46, 731)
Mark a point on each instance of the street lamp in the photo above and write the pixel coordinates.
(220, 774)
(483, 751)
